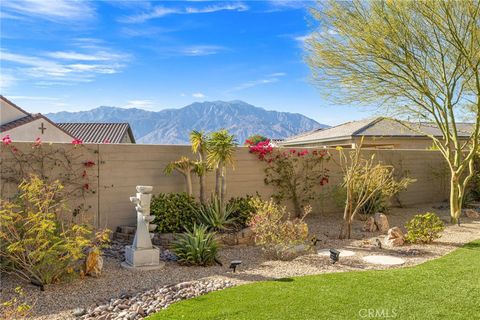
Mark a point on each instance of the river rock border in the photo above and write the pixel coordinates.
(148, 302)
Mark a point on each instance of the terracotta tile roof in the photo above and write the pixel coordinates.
(98, 132)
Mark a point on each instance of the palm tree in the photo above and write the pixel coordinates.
(185, 166)
(199, 143)
(221, 148)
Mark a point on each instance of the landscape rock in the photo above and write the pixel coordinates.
(148, 302)
(370, 225)
(78, 312)
(382, 222)
(93, 263)
(472, 214)
(395, 237)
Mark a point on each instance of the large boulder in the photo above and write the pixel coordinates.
(381, 221)
(370, 225)
(472, 214)
(395, 237)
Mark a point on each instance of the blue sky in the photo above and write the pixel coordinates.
(65, 55)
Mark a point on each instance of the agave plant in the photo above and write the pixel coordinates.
(216, 216)
(196, 247)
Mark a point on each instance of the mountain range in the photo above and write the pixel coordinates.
(172, 126)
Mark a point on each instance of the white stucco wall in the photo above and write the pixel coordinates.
(9, 113)
(31, 131)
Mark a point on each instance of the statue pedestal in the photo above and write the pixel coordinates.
(142, 259)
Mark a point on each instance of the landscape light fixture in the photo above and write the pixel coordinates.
(334, 255)
(234, 264)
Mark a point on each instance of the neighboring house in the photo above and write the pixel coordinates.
(378, 133)
(100, 132)
(23, 126)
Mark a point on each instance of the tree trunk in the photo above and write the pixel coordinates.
(188, 182)
(346, 230)
(203, 188)
(217, 181)
(456, 199)
(224, 185)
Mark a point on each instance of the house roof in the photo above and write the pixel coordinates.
(13, 105)
(27, 119)
(98, 132)
(375, 127)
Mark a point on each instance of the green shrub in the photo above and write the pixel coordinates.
(35, 244)
(474, 186)
(214, 216)
(242, 209)
(275, 231)
(196, 247)
(424, 228)
(174, 212)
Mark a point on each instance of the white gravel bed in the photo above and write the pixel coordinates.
(59, 301)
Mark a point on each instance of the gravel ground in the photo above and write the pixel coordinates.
(58, 301)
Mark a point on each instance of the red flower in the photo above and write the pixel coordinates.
(37, 142)
(77, 141)
(6, 140)
(14, 150)
(106, 141)
(86, 186)
(84, 174)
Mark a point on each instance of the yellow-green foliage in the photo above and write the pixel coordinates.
(424, 228)
(274, 230)
(16, 307)
(35, 244)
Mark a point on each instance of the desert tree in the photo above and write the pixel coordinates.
(199, 141)
(221, 150)
(184, 166)
(417, 59)
(363, 179)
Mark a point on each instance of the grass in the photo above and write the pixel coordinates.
(445, 288)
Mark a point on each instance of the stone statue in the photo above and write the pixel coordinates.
(142, 254)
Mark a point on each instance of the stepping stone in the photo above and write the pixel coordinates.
(343, 253)
(384, 260)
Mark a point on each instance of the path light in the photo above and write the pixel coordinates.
(334, 255)
(234, 264)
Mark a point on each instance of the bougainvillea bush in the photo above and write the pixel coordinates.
(296, 175)
(275, 230)
(35, 243)
(73, 166)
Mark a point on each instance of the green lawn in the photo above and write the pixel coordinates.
(445, 288)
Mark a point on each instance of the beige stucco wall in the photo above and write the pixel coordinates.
(123, 166)
(9, 113)
(30, 131)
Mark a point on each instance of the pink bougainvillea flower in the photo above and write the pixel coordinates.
(37, 142)
(106, 141)
(89, 163)
(77, 141)
(6, 140)
(14, 150)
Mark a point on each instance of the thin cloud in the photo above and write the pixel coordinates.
(200, 50)
(161, 11)
(64, 66)
(271, 78)
(54, 10)
(198, 95)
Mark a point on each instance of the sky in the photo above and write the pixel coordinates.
(61, 55)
